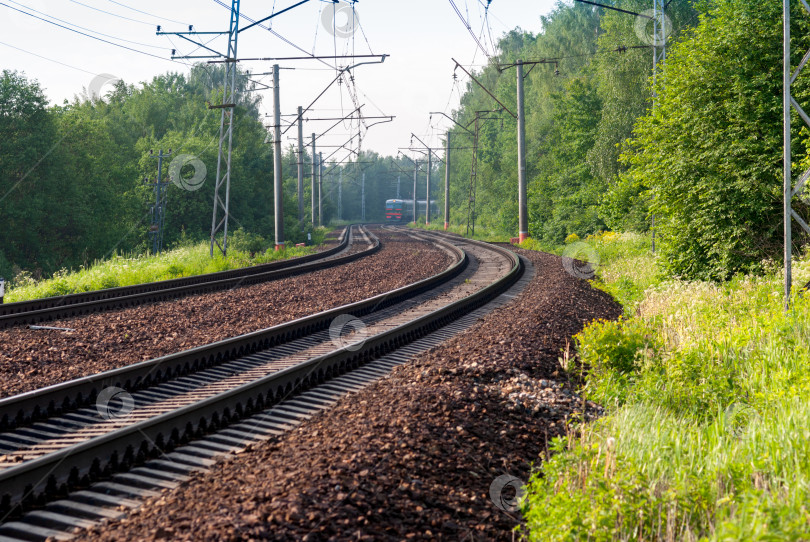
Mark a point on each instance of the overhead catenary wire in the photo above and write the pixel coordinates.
(489, 27)
(112, 14)
(279, 36)
(47, 58)
(468, 27)
(161, 17)
(480, 38)
(85, 34)
(85, 28)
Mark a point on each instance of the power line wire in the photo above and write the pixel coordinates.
(112, 14)
(468, 27)
(147, 13)
(276, 34)
(87, 29)
(46, 58)
(86, 35)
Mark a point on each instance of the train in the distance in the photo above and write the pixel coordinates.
(401, 210)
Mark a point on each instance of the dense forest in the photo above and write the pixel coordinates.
(704, 160)
(76, 178)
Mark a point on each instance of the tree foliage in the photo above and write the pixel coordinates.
(704, 159)
(72, 176)
(709, 154)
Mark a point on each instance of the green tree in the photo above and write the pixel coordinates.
(32, 191)
(710, 152)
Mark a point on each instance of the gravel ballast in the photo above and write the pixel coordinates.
(412, 456)
(31, 359)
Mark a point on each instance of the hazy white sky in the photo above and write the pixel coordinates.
(421, 36)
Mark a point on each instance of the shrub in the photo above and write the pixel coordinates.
(615, 345)
(247, 242)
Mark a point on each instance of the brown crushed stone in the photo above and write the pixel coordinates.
(32, 359)
(410, 457)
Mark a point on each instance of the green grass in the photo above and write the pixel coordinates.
(707, 431)
(121, 270)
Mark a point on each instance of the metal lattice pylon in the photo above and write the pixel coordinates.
(226, 132)
(789, 191)
(660, 34)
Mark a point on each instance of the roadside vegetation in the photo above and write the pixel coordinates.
(707, 428)
(187, 259)
(704, 381)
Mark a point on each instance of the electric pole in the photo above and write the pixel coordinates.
(427, 189)
(301, 167)
(363, 197)
(415, 203)
(340, 195)
(312, 180)
(278, 200)
(447, 182)
(158, 210)
(228, 106)
(523, 221)
(790, 102)
(659, 56)
(523, 209)
(320, 189)
(225, 132)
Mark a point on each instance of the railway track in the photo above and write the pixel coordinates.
(38, 311)
(77, 433)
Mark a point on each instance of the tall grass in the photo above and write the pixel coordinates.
(707, 432)
(124, 270)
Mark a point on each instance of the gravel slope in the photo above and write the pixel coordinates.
(410, 457)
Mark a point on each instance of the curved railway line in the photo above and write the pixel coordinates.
(38, 311)
(123, 434)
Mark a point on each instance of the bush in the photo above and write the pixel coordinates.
(614, 345)
(709, 153)
(247, 242)
(705, 388)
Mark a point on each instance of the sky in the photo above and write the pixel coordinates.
(420, 36)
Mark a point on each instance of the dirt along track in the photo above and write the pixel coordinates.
(31, 359)
(412, 456)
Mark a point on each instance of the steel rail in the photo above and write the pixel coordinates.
(34, 481)
(53, 308)
(47, 402)
(126, 291)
